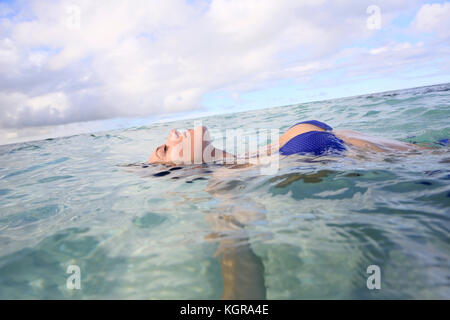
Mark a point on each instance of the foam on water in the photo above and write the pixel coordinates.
(144, 231)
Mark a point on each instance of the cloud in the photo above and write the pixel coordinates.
(68, 61)
(434, 18)
(50, 108)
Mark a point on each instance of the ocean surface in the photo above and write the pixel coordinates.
(309, 230)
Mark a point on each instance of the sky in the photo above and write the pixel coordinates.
(75, 66)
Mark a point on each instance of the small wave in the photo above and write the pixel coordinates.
(54, 178)
(36, 167)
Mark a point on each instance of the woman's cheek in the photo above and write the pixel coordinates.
(176, 154)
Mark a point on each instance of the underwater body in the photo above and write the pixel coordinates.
(308, 231)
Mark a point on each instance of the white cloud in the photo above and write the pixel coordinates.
(434, 17)
(49, 108)
(55, 104)
(379, 50)
(138, 58)
(9, 55)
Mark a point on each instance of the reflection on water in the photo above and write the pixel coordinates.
(314, 177)
(209, 231)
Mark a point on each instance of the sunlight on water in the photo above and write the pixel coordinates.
(313, 228)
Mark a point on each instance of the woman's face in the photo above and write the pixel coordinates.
(181, 147)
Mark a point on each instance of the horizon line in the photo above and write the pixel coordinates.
(201, 116)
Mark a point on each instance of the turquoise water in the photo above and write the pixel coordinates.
(308, 231)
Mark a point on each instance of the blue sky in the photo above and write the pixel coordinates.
(79, 66)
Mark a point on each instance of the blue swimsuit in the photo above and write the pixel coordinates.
(313, 142)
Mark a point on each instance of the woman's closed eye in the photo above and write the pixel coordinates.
(161, 151)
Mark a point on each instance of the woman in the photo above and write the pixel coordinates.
(307, 137)
(242, 270)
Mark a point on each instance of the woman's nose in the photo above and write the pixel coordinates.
(174, 135)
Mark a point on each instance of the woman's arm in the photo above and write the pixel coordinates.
(242, 270)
